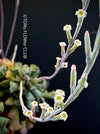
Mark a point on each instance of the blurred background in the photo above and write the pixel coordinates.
(45, 21)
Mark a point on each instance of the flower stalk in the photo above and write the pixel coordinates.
(81, 14)
(13, 27)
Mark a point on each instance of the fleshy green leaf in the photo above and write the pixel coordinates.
(4, 130)
(1, 107)
(4, 83)
(35, 71)
(3, 121)
(15, 122)
(10, 101)
(9, 75)
(13, 87)
(29, 98)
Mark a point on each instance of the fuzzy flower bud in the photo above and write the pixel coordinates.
(58, 99)
(73, 77)
(58, 62)
(44, 107)
(77, 43)
(34, 105)
(87, 43)
(62, 45)
(68, 29)
(62, 116)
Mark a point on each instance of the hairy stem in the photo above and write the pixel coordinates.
(94, 53)
(21, 97)
(87, 70)
(79, 25)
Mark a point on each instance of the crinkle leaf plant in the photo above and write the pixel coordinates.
(23, 93)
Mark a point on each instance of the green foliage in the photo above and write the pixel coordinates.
(10, 76)
(3, 122)
(1, 107)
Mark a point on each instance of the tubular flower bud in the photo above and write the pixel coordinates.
(62, 44)
(58, 62)
(68, 29)
(44, 107)
(34, 105)
(77, 43)
(49, 111)
(73, 77)
(63, 116)
(87, 43)
(81, 14)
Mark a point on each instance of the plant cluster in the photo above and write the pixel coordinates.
(23, 93)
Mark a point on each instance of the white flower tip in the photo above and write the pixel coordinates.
(65, 65)
(67, 28)
(73, 67)
(63, 115)
(62, 44)
(59, 91)
(81, 13)
(43, 105)
(34, 103)
(87, 33)
(86, 84)
(28, 113)
(77, 42)
(50, 110)
(58, 98)
(58, 58)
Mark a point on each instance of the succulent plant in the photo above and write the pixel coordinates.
(21, 88)
(11, 73)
